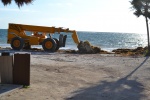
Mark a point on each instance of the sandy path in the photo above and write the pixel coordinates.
(86, 77)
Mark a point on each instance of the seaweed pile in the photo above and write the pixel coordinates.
(128, 52)
(86, 48)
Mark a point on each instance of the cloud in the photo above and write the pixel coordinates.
(17, 10)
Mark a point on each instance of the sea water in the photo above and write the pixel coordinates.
(105, 40)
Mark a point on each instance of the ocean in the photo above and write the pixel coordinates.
(105, 40)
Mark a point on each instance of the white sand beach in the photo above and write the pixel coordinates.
(62, 76)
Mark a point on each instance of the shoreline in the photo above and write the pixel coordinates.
(68, 47)
(139, 51)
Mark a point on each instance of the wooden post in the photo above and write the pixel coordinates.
(21, 69)
(6, 67)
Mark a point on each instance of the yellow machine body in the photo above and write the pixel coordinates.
(18, 32)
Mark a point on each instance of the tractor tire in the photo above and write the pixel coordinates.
(17, 43)
(49, 45)
(57, 42)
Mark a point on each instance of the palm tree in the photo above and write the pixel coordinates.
(18, 2)
(142, 7)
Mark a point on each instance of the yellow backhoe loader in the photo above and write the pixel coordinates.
(41, 35)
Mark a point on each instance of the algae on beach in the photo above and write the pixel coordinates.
(86, 47)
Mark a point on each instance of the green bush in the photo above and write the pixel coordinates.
(146, 53)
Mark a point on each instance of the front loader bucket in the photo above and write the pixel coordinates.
(62, 40)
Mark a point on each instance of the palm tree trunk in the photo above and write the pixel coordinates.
(147, 35)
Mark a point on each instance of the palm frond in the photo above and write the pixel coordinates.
(137, 13)
(18, 2)
(22, 2)
(141, 7)
(6, 2)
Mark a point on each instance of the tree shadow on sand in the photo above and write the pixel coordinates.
(122, 89)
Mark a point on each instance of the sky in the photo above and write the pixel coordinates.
(79, 15)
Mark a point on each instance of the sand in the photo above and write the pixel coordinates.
(62, 76)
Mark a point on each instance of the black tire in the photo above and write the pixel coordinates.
(57, 42)
(49, 45)
(17, 43)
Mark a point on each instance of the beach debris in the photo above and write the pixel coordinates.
(71, 51)
(86, 48)
(105, 52)
(128, 52)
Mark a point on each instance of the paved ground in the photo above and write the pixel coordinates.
(7, 88)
